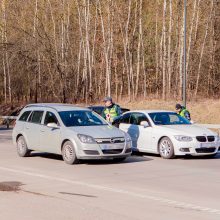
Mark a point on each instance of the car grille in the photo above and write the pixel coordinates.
(110, 140)
(201, 138)
(205, 150)
(114, 151)
(211, 138)
(91, 152)
(205, 139)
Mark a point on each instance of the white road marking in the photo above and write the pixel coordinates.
(121, 191)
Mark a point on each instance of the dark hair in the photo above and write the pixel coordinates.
(178, 106)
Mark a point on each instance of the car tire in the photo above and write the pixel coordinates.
(118, 160)
(22, 148)
(69, 153)
(166, 149)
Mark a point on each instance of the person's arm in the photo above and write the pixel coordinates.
(187, 115)
(118, 110)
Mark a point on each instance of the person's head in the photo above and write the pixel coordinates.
(108, 101)
(178, 107)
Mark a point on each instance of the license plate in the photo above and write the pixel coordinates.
(110, 147)
(207, 144)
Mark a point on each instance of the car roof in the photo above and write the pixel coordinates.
(96, 106)
(151, 111)
(102, 106)
(56, 106)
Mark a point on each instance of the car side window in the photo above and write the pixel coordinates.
(50, 118)
(173, 118)
(133, 119)
(137, 118)
(24, 116)
(125, 118)
(36, 117)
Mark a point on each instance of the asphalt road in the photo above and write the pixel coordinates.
(143, 187)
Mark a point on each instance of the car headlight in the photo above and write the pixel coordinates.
(127, 137)
(86, 139)
(183, 138)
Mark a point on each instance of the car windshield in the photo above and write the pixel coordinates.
(81, 118)
(168, 118)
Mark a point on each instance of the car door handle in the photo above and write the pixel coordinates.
(42, 130)
(27, 128)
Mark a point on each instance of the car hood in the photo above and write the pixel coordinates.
(105, 131)
(190, 130)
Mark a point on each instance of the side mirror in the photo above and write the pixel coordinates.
(145, 124)
(52, 125)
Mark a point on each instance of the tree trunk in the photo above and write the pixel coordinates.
(169, 49)
(138, 49)
(202, 50)
(164, 51)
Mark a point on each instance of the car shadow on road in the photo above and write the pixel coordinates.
(143, 154)
(131, 159)
(185, 157)
(206, 157)
(46, 155)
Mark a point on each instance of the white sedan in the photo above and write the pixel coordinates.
(168, 134)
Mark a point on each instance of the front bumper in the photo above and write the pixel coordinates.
(195, 148)
(100, 151)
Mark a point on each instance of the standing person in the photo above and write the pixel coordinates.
(111, 111)
(182, 111)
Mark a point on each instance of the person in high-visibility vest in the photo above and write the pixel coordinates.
(182, 111)
(111, 110)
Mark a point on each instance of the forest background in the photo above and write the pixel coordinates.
(78, 51)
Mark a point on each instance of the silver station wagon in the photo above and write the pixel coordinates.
(74, 132)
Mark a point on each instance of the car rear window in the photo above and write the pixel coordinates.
(24, 116)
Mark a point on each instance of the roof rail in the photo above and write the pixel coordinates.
(40, 105)
(49, 105)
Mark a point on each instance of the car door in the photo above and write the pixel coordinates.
(127, 127)
(32, 129)
(141, 136)
(50, 138)
(125, 122)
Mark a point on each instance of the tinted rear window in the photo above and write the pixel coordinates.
(24, 116)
